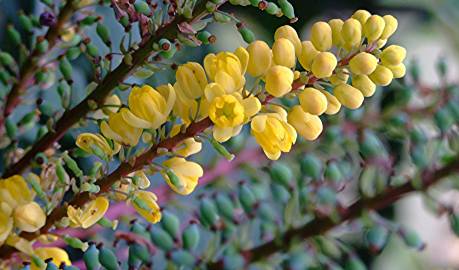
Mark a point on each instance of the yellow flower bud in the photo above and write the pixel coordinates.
(188, 147)
(260, 57)
(393, 55)
(226, 69)
(336, 26)
(111, 105)
(273, 133)
(307, 55)
(58, 256)
(278, 80)
(351, 33)
(6, 224)
(313, 101)
(87, 142)
(390, 28)
(364, 84)
(192, 80)
(284, 53)
(89, 214)
(321, 36)
(145, 204)
(29, 217)
(323, 65)
(382, 76)
(118, 129)
(141, 178)
(361, 15)
(289, 33)
(339, 77)
(348, 96)
(187, 175)
(363, 63)
(307, 125)
(333, 104)
(399, 70)
(373, 27)
(14, 191)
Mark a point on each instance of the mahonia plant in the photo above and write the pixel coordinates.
(160, 127)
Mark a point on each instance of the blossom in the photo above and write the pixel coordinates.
(29, 217)
(226, 69)
(307, 125)
(313, 101)
(323, 65)
(120, 130)
(148, 107)
(307, 55)
(382, 76)
(349, 96)
(363, 63)
(144, 203)
(284, 53)
(393, 55)
(351, 32)
(183, 175)
(191, 79)
(321, 36)
(260, 58)
(288, 32)
(364, 84)
(89, 214)
(278, 80)
(373, 27)
(88, 142)
(273, 133)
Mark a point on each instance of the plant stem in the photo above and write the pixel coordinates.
(71, 117)
(321, 225)
(31, 65)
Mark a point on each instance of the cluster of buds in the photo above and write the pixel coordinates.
(342, 63)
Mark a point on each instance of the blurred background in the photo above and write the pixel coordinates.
(427, 28)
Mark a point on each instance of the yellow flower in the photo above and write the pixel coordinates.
(260, 58)
(87, 142)
(382, 76)
(364, 84)
(373, 28)
(6, 223)
(361, 15)
(399, 70)
(336, 26)
(111, 105)
(15, 192)
(391, 26)
(89, 214)
(229, 111)
(278, 80)
(243, 56)
(118, 129)
(188, 147)
(185, 175)
(57, 255)
(141, 180)
(284, 53)
(307, 55)
(186, 108)
(313, 101)
(288, 32)
(393, 55)
(363, 63)
(348, 96)
(351, 33)
(149, 108)
(144, 203)
(321, 36)
(191, 79)
(273, 133)
(333, 104)
(340, 76)
(225, 69)
(323, 65)
(307, 125)
(29, 217)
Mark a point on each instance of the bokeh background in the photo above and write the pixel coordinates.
(427, 28)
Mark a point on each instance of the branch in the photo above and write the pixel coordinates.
(323, 224)
(31, 65)
(71, 117)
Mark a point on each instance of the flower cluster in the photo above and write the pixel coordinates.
(341, 63)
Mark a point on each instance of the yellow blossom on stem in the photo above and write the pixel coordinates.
(57, 255)
(120, 130)
(374, 27)
(14, 191)
(382, 76)
(333, 104)
(191, 79)
(307, 125)
(225, 69)
(273, 133)
(88, 142)
(351, 33)
(288, 32)
(278, 80)
(399, 70)
(181, 175)
(348, 96)
(284, 53)
(393, 55)
(390, 26)
(313, 101)
(260, 58)
(364, 84)
(361, 15)
(324, 64)
(321, 36)
(307, 55)
(89, 214)
(6, 223)
(29, 217)
(336, 26)
(243, 56)
(145, 204)
(340, 76)
(149, 108)
(363, 63)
